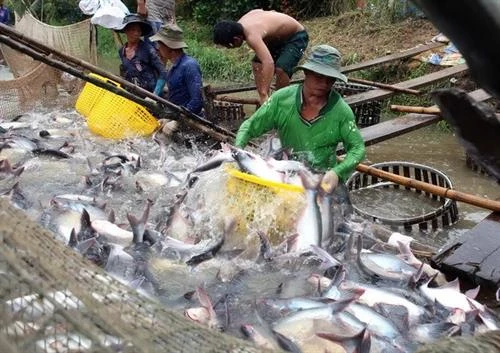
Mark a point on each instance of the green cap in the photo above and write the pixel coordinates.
(171, 35)
(324, 60)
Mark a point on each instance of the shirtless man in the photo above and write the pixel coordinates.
(278, 40)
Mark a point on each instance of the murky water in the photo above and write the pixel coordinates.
(440, 150)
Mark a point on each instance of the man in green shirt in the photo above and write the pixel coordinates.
(311, 118)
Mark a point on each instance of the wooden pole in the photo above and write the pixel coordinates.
(112, 88)
(431, 188)
(420, 110)
(32, 48)
(434, 110)
(385, 86)
(253, 101)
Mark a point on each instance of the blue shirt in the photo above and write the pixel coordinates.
(4, 15)
(184, 84)
(144, 68)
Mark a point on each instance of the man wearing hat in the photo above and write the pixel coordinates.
(311, 118)
(184, 81)
(141, 64)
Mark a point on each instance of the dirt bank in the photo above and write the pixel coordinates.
(360, 36)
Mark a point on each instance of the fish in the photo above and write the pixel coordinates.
(329, 312)
(309, 224)
(111, 232)
(214, 162)
(7, 169)
(16, 196)
(449, 296)
(259, 338)
(253, 164)
(376, 323)
(382, 265)
(205, 314)
(373, 295)
(33, 306)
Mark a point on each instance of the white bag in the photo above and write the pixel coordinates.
(110, 14)
(89, 7)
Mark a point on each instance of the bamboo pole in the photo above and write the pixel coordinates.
(30, 47)
(385, 86)
(253, 101)
(419, 110)
(431, 188)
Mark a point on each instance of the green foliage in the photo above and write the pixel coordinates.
(106, 45)
(220, 64)
(304, 9)
(216, 64)
(210, 11)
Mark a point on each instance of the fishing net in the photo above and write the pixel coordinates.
(36, 83)
(52, 300)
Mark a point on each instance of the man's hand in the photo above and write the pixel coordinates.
(330, 181)
(150, 100)
(141, 8)
(263, 98)
(167, 126)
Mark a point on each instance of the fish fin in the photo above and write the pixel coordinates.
(337, 278)
(414, 278)
(111, 216)
(136, 283)
(73, 240)
(84, 245)
(363, 337)
(339, 305)
(85, 220)
(472, 293)
(455, 285)
(139, 224)
(205, 301)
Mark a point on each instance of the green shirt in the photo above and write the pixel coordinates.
(316, 140)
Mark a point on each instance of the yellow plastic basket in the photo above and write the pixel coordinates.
(262, 204)
(116, 117)
(90, 95)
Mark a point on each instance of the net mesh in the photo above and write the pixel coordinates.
(35, 83)
(53, 300)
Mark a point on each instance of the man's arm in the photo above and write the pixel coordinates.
(264, 78)
(354, 146)
(141, 8)
(192, 77)
(260, 122)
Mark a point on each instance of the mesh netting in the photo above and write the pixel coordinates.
(52, 300)
(77, 39)
(40, 85)
(36, 83)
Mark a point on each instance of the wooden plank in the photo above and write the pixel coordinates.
(377, 94)
(397, 126)
(388, 58)
(476, 254)
(407, 123)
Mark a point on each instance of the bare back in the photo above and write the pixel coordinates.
(270, 26)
